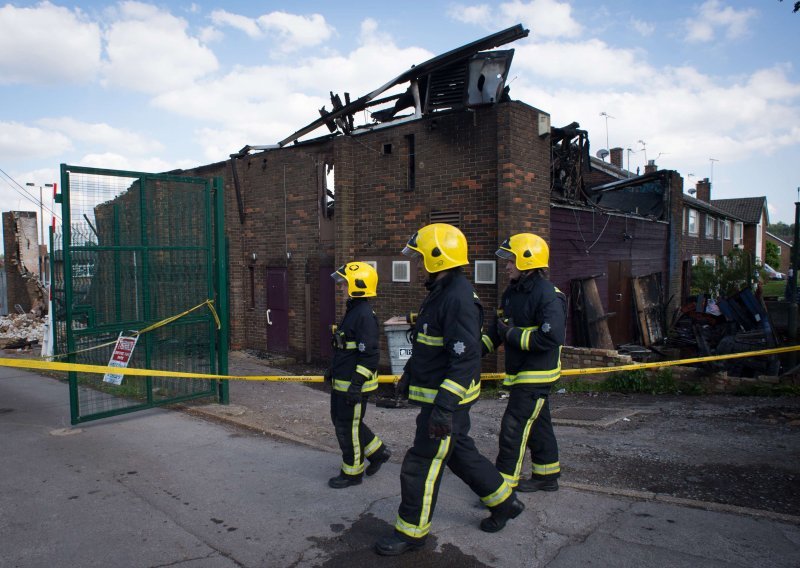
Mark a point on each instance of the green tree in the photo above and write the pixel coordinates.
(782, 231)
(733, 272)
(772, 256)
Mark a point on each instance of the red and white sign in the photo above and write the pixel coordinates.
(123, 351)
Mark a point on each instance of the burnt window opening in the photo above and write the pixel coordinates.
(329, 197)
(412, 181)
(387, 149)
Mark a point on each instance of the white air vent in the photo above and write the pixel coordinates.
(485, 272)
(401, 271)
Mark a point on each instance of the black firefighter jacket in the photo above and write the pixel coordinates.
(444, 368)
(357, 361)
(537, 312)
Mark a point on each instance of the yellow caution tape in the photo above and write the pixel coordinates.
(99, 369)
(209, 303)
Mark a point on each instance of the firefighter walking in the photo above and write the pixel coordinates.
(531, 324)
(353, 375)
(443, 378)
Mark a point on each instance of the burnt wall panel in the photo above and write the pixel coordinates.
(584, 241)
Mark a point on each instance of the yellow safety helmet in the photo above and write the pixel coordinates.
(528, 251)
(361, 278)
(441, 246)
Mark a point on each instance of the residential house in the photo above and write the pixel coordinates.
(750, 232)
(708, 230)
(784, 252)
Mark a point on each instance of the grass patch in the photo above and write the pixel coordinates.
(774, 288)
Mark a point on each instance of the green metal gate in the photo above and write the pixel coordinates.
(133, 250)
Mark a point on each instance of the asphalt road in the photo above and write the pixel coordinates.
(163, 488)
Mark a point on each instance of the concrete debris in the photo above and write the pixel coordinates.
(21, 331)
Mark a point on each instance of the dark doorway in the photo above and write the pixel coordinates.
(277, 311)
(620, 301)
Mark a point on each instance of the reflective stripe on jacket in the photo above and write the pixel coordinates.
(444, 367)
(358, 361)
(537, 312)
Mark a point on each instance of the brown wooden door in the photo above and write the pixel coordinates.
(620, 301)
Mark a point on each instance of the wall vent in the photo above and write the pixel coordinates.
(449, 217)
(401, 271)
(485, 272)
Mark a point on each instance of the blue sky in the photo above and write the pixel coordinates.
(157, 86)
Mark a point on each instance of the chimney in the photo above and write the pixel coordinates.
(704, 190)
(616, 157)
(650, 167)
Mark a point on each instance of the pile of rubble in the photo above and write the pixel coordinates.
(20, 331)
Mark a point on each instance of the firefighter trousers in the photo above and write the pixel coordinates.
(526, 424)
(423, 467)
(356, 440)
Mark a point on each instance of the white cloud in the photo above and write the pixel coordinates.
(683, 114)
(242, 23)
(149, 50)
(103, 135)
(114, 161)
(47, 44)
(22, 141)
(291, 32)
(294, 31)
(264, 104)
(591, 62)
(545, 18)
(643, 28)
(713, 16)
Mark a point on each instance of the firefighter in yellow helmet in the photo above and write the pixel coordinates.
(443, 378)
(531, 323)
(354, 374)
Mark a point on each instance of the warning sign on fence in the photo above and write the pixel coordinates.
(123, 351)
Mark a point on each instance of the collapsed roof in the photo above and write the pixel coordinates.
(461, 78)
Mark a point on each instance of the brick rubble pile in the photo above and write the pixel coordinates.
(21, 330)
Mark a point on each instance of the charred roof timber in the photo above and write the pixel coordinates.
(459, 78)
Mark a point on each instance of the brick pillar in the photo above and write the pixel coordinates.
(616, 157)
(704, 190)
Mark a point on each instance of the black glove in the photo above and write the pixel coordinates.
(503, 327)
(440, 424)
(328, 375)
(401, 387)
(354, 394)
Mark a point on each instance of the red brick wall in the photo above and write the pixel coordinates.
(488, 166)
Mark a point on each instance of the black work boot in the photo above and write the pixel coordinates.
(394, 545)
(377, 459)
(538, 484)
(501, 514)
(341, 481)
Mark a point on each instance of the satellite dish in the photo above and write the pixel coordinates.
(692, 191)
(602, 153)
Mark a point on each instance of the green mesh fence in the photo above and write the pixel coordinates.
(133, 250)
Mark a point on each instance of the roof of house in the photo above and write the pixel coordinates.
(704, 206)
(777, 238)
(748, 209)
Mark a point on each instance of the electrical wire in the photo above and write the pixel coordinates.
(26, 194)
